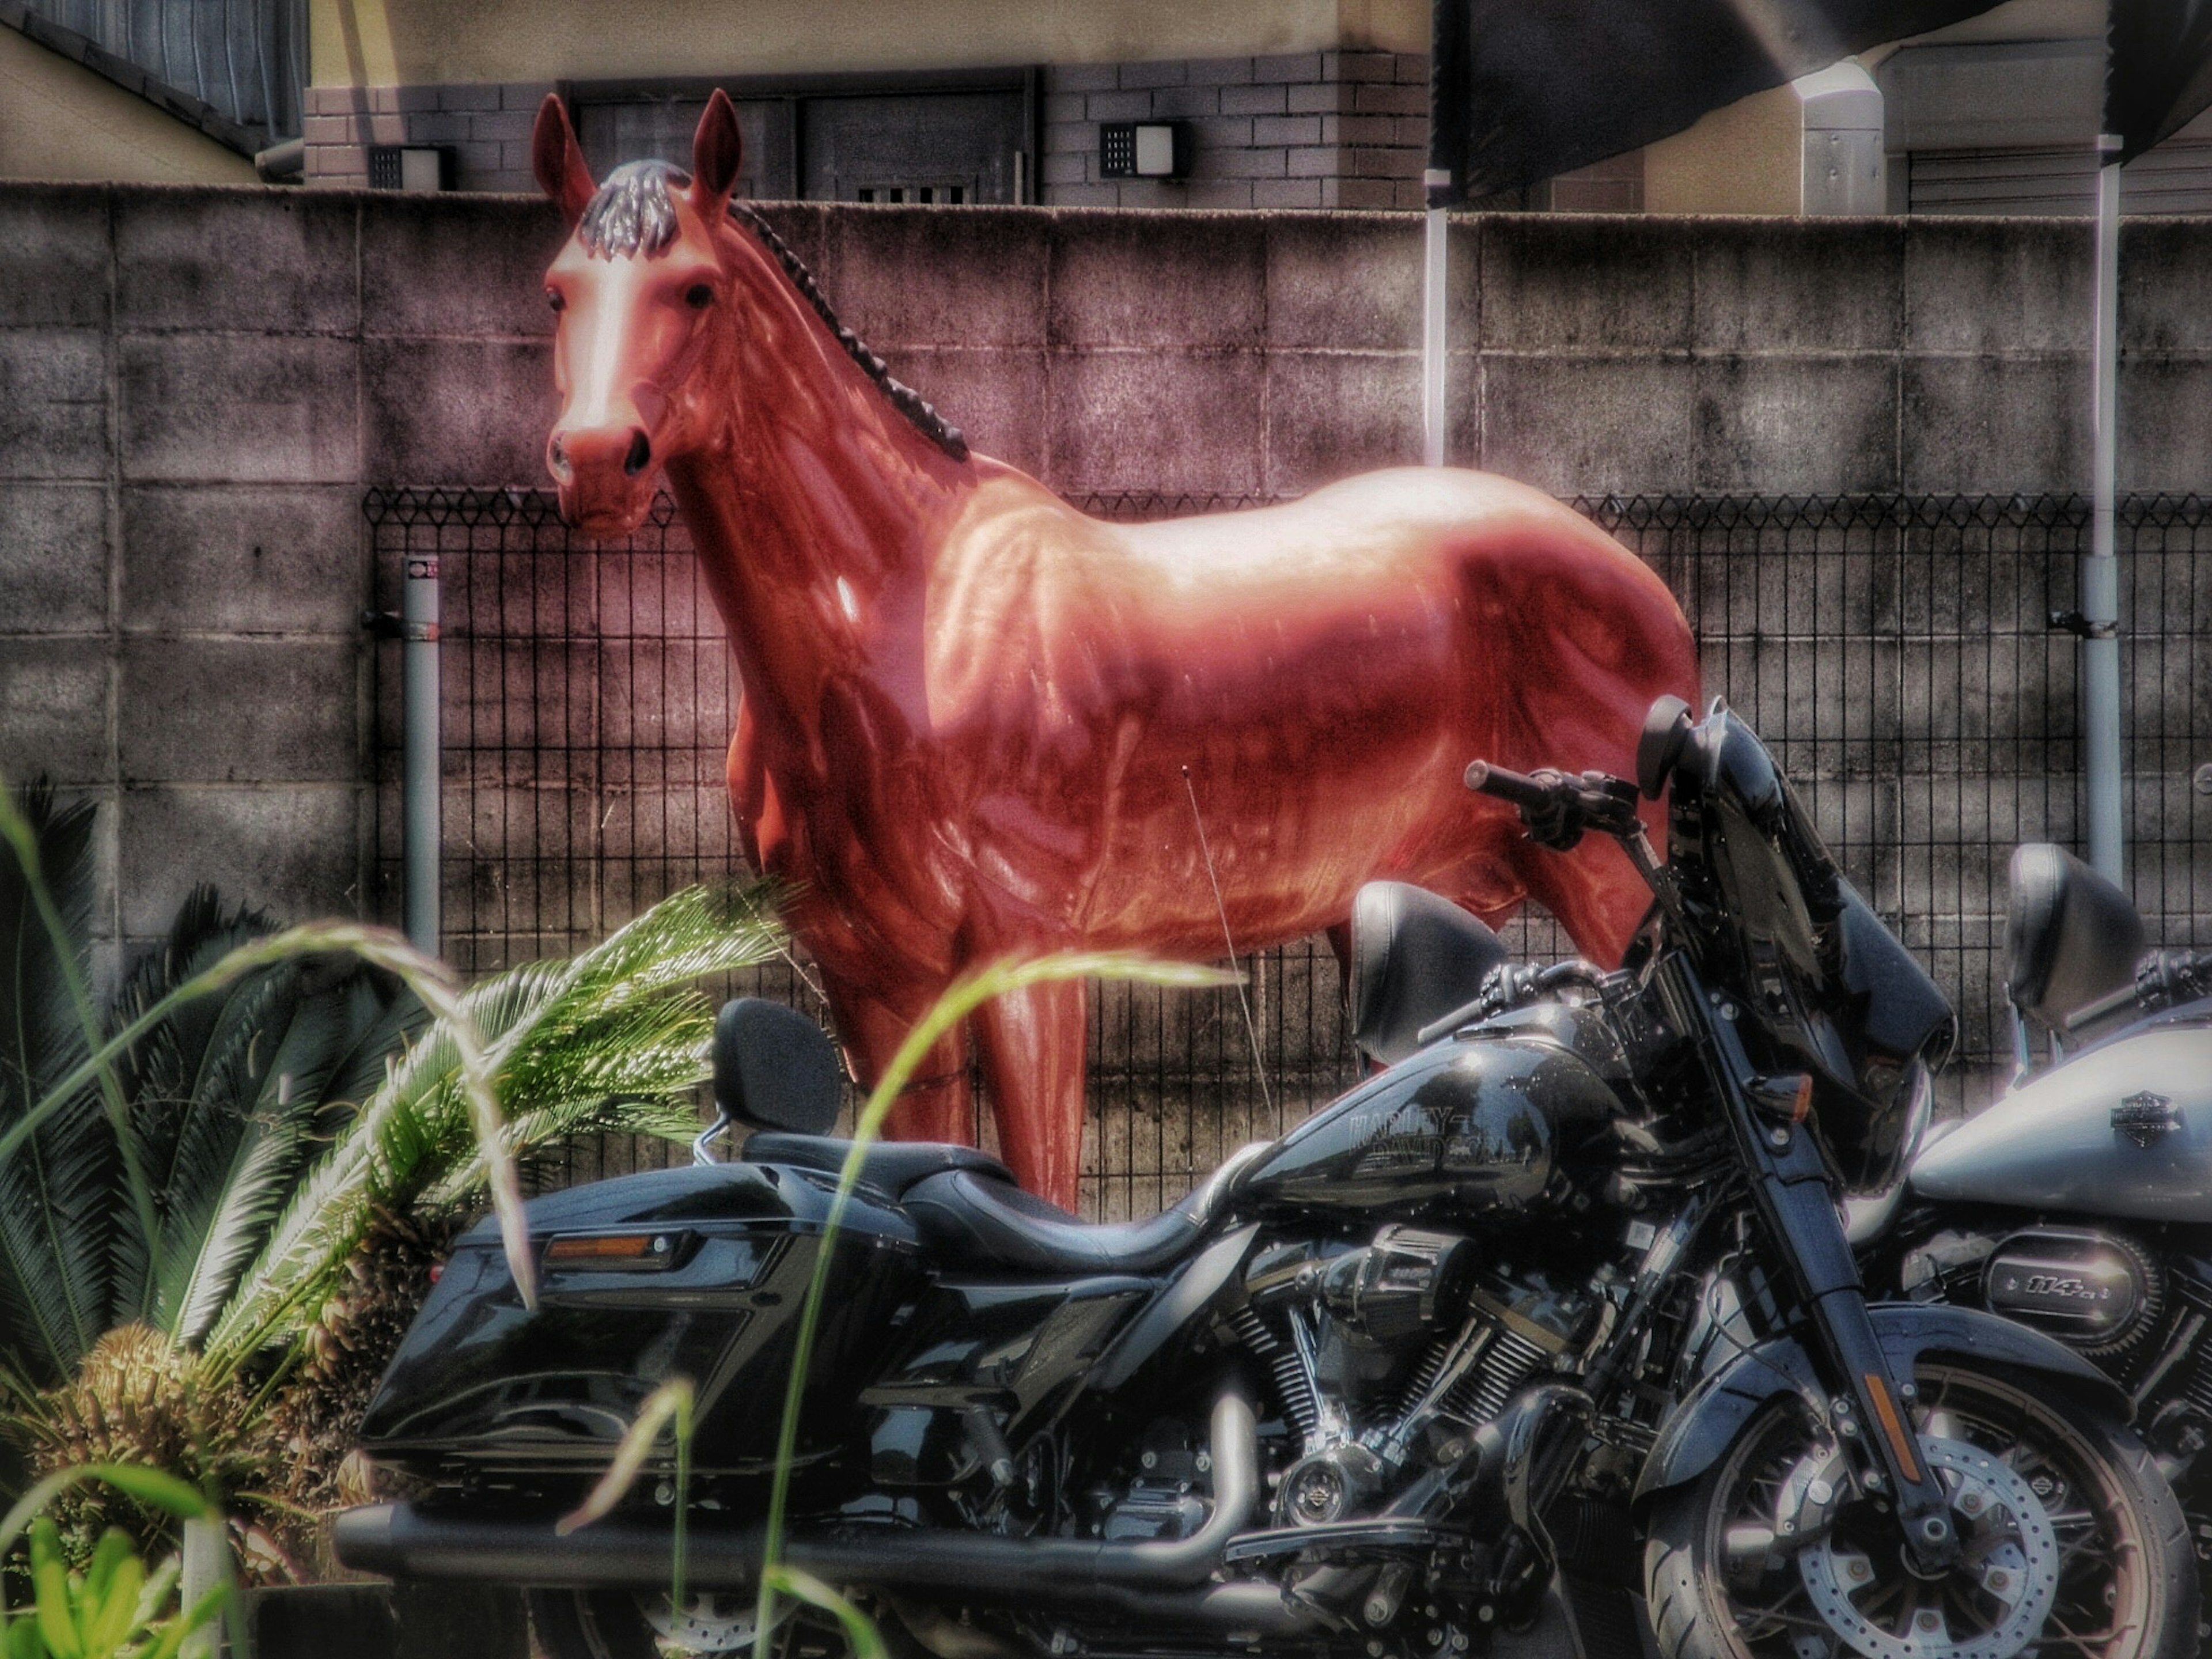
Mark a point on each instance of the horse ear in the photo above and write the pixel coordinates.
(717, 149)
(558, 160)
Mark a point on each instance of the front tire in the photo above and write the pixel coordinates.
(2059, 1506)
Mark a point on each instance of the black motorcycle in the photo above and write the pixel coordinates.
(2080, 1203)
(1570, 1274)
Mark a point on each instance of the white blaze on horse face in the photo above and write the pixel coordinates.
(612, 307)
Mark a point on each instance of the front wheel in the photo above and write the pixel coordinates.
(2072, 1543)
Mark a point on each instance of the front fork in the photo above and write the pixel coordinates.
(1791, 1190)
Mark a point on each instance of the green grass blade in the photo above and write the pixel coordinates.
(966, 994)
(669, 1406)
(859, 1630)
(669, 1403)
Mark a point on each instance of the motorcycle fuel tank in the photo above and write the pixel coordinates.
(2122, 1130)
(1477, 1124)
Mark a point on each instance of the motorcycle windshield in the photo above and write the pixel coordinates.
(1830, 990)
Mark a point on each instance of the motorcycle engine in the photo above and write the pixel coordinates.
(1388, 1357)
(2098, 1292)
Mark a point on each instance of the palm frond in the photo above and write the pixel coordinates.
(230, 1092)
(584, 1042)
(632, 1071)
(59, 1186)
(292, 1112)
(161, 1070)
(217, 1124)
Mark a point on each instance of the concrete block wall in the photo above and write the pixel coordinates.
(196, 387)
(179, 572)
(1305, 130)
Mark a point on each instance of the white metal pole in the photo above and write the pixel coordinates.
(420, 762)
(1432, 329)
(199, 1572)
(2100, 577)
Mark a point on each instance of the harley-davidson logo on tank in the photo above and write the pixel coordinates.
(2130, 1138)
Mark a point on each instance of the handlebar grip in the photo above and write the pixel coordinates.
(1522, 790)
(2090, 1013)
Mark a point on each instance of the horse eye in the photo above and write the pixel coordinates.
(553, 298)
(698, 296)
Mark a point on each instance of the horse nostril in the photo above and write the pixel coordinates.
(641, 453)
(560, 455)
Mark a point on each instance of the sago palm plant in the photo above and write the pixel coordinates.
(275, 1161)
(613, 1038)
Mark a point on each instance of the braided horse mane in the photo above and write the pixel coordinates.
(632, 213)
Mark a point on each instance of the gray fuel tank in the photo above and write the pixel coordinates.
(2123, 1130)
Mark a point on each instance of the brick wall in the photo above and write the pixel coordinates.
(1309, 129)
(487, 126)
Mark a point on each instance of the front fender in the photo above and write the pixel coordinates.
(1713, 1413)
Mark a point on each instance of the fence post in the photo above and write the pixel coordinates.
(421, 810)
(2100, 572)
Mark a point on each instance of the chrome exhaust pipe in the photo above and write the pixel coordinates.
(400, 1541)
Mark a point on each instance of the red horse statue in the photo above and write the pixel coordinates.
(977, 722)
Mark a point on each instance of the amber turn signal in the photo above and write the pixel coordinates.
(613, 1252)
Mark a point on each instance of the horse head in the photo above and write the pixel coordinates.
(643, 298)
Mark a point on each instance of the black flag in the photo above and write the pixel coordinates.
(2160, 77)
(1520, 90)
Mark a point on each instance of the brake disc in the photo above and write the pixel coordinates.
(2006, 1590)
(706, 1623)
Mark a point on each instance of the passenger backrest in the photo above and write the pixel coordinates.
(2071, 937)
(1416, 956)
(775, 1069)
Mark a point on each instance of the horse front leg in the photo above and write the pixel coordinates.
(1032, 1043)
(937, 1103)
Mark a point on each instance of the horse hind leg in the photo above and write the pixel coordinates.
(937, 1103)
(1032, 1043)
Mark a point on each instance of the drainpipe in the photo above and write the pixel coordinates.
(1441, 184)
(2101, 571)
(202, 1569)
(281, 163)
(1434, 243)
(421, 813)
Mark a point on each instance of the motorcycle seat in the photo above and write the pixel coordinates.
(974, 1221)
(891, 1166)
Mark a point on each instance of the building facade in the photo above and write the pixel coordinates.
(1294, 104)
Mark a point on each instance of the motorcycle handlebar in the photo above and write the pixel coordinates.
(1518, 787)
(1557, 808)
(2165, 979)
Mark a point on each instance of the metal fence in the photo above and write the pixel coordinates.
(1898, 652)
